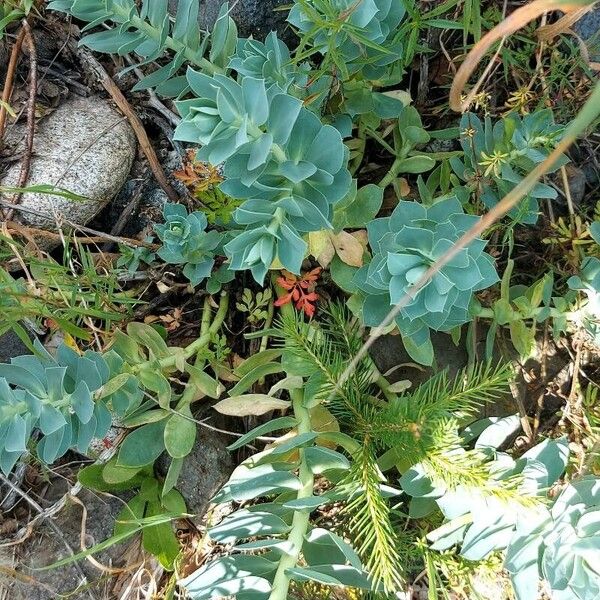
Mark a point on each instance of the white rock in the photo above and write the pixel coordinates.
(87, 147)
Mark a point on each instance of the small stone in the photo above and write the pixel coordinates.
(205, 470)
(577, 181)
(254, 18)
(587, 28)
(11, 346)
(86, 147)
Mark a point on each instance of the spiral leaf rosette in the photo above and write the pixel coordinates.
(277, 156)
(498, 156)
(269, 60)
(64, 397)
(366, 40)
(564, 550)
(186, 241)
(404, 246)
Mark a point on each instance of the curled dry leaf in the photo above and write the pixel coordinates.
(324, 245)
(250, 404)
(362, 236)
(321, 247)
(348, 248)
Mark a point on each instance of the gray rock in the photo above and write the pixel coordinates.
(11, 346)
(204, 471)
(44, 548)
(589, 24)
(577, 181)
(86, 147)
(254, 18)
(388, 353)
(588, 28)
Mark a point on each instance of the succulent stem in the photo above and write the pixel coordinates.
(201, 342)
(195, 58)
(300, 521)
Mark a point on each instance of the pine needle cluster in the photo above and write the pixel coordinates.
(417, 428)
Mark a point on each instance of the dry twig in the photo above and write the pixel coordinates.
(9, 81)
(508, 26)
(111, 87)
(99, 234)
(26, 162)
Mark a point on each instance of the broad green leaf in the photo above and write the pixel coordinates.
(323, 547)
(148, 337)
(522, 337)
(343, 275)
(92, 477)
(180, 433)
(204, 383)
(341, 439)
(482, 539)
(270, 426)
(153, 380)
(291, 382)
(160, 539)
(553, 454)
(261, 482)
(172, 475)
(126, 347)
(498, 432)
(320, 460)
(148, 416)
(416, 164)
(115, 474)
(295, 442)
(261, 358)
(245, 523)
(422, 354)
(359, 208)
(143, 445)
(310, 504)
(251, 377)
(450, 533)
(332, 575)
(420, 508)
(113, 385)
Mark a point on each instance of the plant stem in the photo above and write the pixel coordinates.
(205, 323)
(201, 342)
(265, 339)
(204, 339)
(384, 386)
(189, 392)
(300, 521)
(392, 173)
(169, 42)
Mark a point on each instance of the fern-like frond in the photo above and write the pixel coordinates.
(370, 521)
(317, 355)
(344, 328)
(470, 469)
(477, 385)
(427, 420)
